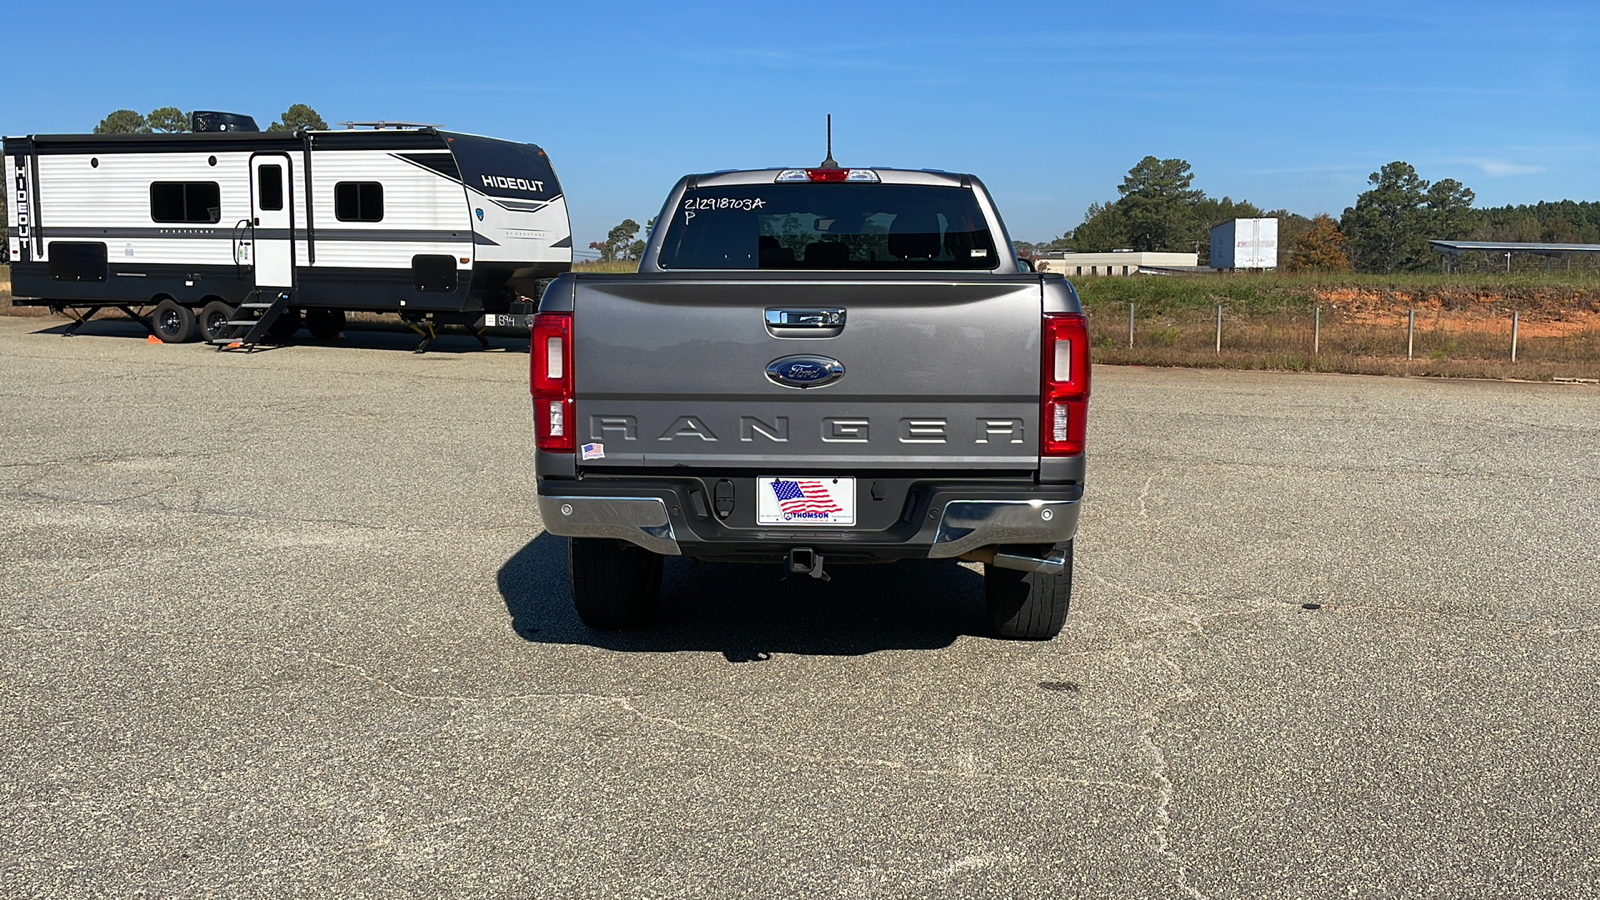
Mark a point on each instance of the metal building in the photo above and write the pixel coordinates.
(1117, 262)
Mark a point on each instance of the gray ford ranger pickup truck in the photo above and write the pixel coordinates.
(815, 367)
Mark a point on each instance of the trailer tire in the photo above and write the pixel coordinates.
(325, 324)
(213, 319)
(172, 322)
(285, 325)
(1027, 606)
(615, 585)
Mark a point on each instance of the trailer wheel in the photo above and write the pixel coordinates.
(325, 324)
(1028, 606)
(615, 584)
(172, 322)
(214, 318)
(285, 325)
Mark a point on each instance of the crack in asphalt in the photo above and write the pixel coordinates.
(1160, 840)
(195, 508)
(627, 704)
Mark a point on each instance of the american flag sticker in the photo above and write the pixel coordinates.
(594, 451)
(806, 501)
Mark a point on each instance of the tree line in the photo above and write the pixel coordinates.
(622, 241)
(172, 120)
(1387, 229)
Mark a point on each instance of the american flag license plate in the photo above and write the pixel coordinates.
(806, 501)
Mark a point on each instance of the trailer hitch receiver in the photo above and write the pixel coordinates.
(806, 561)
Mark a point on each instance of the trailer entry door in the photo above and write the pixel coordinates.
(272, 220)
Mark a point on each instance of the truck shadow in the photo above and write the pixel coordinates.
(750, 612)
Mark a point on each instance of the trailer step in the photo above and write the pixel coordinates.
(247, 330)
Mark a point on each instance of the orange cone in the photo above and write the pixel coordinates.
(152, 339)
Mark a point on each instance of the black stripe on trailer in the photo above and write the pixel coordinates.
(376, 235)
(487, 287)
(311, 222)
(33, 204)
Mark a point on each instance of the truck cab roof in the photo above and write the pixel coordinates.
(932, 177)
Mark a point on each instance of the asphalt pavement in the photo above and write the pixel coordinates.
(286, 624)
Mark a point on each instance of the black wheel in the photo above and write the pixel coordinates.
(214, 318)
(325, 324)
(172, 322)
(1028, 606)
(285, 325)
(614, 584)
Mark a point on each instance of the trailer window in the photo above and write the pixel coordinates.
(358, 201)
(271, 187)
(186, 201)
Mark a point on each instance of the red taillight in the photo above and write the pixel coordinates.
(1065, 384)
(551, 363)
(827, 175)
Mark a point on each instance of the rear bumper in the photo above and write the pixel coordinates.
(932, 520)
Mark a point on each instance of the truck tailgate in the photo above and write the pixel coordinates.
(939, 373)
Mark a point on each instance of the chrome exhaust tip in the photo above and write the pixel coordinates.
(1052, 563)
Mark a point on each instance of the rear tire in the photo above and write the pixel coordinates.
(615, 585)
(325, 324)
(213, 319)
(1027, 606)
(172, 322)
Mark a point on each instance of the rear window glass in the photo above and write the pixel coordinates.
(828, 226)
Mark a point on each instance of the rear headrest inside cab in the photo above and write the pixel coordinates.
(914, 236)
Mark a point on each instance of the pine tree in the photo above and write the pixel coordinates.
(1386, 226)
(123, 121)
(297, 118)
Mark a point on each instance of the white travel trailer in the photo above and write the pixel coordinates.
(232, 235)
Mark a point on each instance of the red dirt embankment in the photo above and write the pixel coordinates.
(1546, 312)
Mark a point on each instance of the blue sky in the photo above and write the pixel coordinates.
(1286, 104)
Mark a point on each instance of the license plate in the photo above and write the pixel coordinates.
(806, 501)
(501, 320)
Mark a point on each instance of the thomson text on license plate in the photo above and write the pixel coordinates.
(806, 501)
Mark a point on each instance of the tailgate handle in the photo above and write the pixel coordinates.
(805, 318)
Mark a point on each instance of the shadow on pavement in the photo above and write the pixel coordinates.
(748, 612)
(380, 336)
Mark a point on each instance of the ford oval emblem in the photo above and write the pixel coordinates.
(805, 371)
